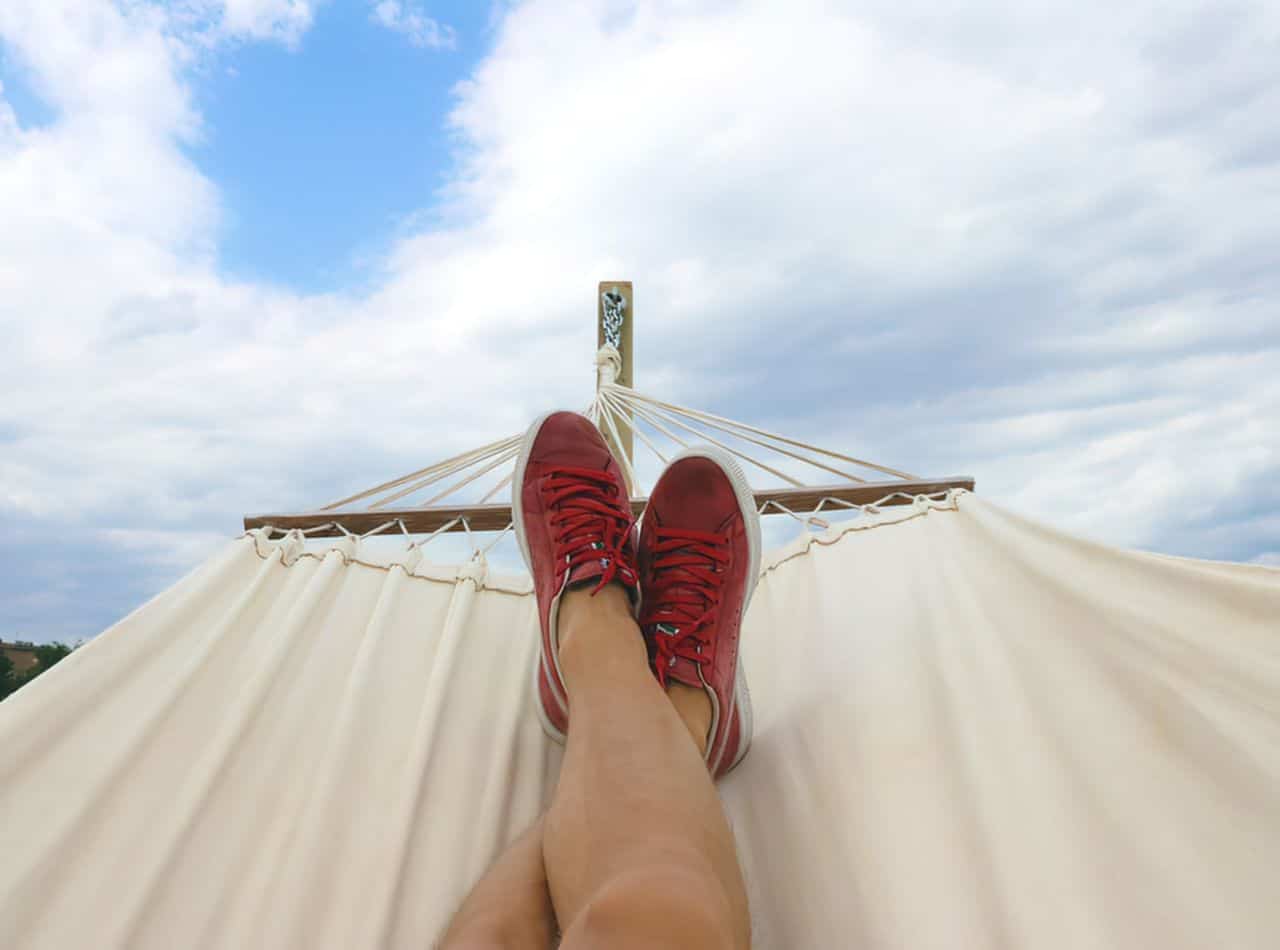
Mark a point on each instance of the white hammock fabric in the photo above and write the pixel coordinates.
(971, 731)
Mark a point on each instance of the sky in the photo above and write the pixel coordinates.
(256, 254)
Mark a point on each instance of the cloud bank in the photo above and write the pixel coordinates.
(1035, 246)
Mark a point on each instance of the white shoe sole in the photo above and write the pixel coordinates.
(517, 520)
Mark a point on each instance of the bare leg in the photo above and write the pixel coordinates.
(509, 908)
(637, 849)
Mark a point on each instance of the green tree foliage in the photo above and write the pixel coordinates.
(8, 677)
(47, 655)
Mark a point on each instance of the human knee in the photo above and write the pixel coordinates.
(668, 907)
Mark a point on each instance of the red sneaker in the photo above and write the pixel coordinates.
(699, 560)
(572, 516)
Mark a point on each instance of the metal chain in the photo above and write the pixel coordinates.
(615, 306)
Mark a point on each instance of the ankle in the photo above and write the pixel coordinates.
(593, 621)
(586, 606)
(694, 708)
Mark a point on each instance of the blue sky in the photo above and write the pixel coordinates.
(31, 110)
(323, 154)
(324, 151)
(256, 254)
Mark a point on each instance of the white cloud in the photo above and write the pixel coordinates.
(408, 18)
(210, 22)
(268, 19)
(1032, 245)
(167, 550)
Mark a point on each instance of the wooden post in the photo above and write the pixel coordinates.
(613, 299)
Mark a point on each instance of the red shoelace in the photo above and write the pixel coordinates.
(592, 523)
(683, 597)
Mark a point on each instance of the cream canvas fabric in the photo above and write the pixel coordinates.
(971, 731)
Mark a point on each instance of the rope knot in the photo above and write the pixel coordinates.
(608, 365)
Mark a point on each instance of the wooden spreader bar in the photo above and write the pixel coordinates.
(497, 517)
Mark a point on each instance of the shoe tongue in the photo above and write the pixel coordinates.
(590, 572)
(682, 670)
(685, 672)
(682, 577)
(582, 573)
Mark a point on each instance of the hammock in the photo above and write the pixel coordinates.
(971, 731)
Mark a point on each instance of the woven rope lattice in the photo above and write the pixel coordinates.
(470, 491)
(660, 429)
